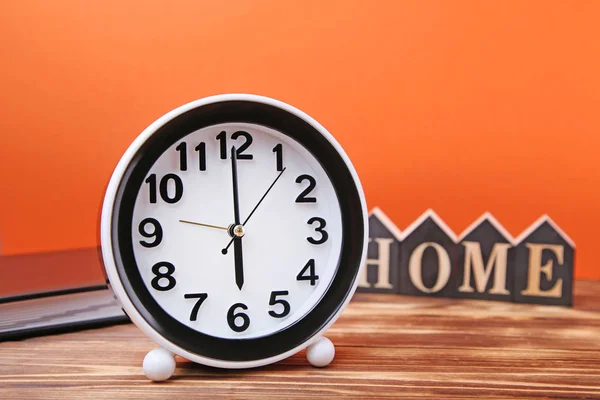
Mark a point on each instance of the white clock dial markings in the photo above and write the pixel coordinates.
(285, 216)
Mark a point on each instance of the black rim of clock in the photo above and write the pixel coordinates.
(352, 227)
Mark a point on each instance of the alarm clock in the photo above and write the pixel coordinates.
(233, 231)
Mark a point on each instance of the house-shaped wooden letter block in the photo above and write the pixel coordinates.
(428, 258)
(380, 274)
(544, 265)
(485, 267)
(485, 262)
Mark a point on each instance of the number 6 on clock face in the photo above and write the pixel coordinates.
(231, 224)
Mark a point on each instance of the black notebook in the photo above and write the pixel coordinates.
(61, 311)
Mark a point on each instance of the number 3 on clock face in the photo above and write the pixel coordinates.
(291, 244)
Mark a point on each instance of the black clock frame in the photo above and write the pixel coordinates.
(353, 228)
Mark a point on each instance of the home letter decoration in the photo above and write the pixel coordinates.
(428, 258)
(484, 262)
(544, 265)
(383, 256)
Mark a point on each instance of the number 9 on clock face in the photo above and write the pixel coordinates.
(234, 229)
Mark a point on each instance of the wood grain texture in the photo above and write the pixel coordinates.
(387, 346)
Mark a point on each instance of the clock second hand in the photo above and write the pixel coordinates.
(224, 251)
(206, 225)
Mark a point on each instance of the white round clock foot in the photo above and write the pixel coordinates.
(321, 352)
(159, 364)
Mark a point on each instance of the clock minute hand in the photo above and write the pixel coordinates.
(236, 198)
(224, 251)
(238, 230)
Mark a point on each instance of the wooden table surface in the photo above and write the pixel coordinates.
(387, 346)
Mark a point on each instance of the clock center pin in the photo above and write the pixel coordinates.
(237, 231)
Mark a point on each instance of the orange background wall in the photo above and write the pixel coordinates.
(461, 106)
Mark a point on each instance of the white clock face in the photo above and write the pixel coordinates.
(286, 243)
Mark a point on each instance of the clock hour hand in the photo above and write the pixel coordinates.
(239, 263)
(238, 230)
(224, 251)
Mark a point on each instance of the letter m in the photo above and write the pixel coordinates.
(481, 273)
